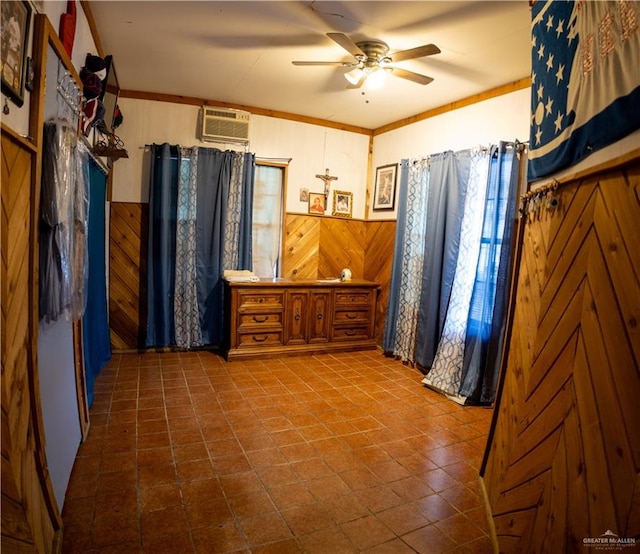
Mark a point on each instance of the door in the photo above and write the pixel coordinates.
(319, 316)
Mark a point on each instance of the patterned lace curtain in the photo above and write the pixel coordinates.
(185, 302)
(232, 216)
(400, 337)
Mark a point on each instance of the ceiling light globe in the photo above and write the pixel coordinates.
(376, 79)
(354, 75)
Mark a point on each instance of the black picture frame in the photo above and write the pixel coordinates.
(384, 193)
(16, 20)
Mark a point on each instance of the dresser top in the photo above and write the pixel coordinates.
(289, 283)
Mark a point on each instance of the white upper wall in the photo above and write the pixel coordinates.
(311, 148)
(505, 118)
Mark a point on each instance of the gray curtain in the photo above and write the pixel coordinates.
(449, 174)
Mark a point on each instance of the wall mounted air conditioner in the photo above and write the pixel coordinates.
(223, 125)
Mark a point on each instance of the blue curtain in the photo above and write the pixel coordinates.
(97, 344)
(245, 234)
(163, 200)
(223, 206)
(487, 312)
(449, 174)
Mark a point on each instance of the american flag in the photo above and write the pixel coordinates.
(585, 80)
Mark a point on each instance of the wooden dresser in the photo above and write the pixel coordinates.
(282, 316)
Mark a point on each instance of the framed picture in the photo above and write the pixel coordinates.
(342, 203)
(16, 17)
(384, 193)
(316, 203)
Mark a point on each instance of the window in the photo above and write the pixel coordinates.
(268, 204)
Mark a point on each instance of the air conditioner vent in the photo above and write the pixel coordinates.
(223, 125)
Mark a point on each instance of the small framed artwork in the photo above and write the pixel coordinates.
(342, 203)
(316, 203)
(304, 195)
(384, 194)
(16, 17)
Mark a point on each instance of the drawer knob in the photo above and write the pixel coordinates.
(261, 338)
(319, 315)
(297, 316)
(260, 319)
(350, 332)
(351, 315)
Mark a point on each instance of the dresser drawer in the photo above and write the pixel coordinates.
(259, 319)
(351, 317)
(352, 298)
(260, 300)
(350, 333)
(260, 339)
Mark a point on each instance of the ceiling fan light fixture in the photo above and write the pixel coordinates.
(376, 78)
(354, 75)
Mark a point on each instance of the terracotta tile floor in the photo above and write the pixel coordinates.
(327, 454)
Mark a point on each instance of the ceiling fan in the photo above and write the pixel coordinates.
(373, 61)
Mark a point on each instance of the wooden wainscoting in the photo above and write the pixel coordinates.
(301, 247)
(314, 247)
(127, 275)
(563, 460)
(30, 518)
(321, 247)
(377, 266)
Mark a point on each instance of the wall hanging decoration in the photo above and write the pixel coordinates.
(342, 203)
(384, 193)
(16, 17)
(327, 183)
(316, 203)
(577, 48)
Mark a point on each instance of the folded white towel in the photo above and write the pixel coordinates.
(237, 273)
(240, 276)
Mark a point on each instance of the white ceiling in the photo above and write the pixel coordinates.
(240, 52)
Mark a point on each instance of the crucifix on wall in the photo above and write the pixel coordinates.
(327, 183)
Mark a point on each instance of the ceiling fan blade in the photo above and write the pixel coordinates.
(411, 76)
(343, 64)
(346, 43)
(417, 52)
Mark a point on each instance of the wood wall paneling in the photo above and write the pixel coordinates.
(563, 463)
(30, 520)
(378, 260)
(314, 247)
(127, 275)
(301, 247)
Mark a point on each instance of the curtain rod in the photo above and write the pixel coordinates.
(246, 146)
